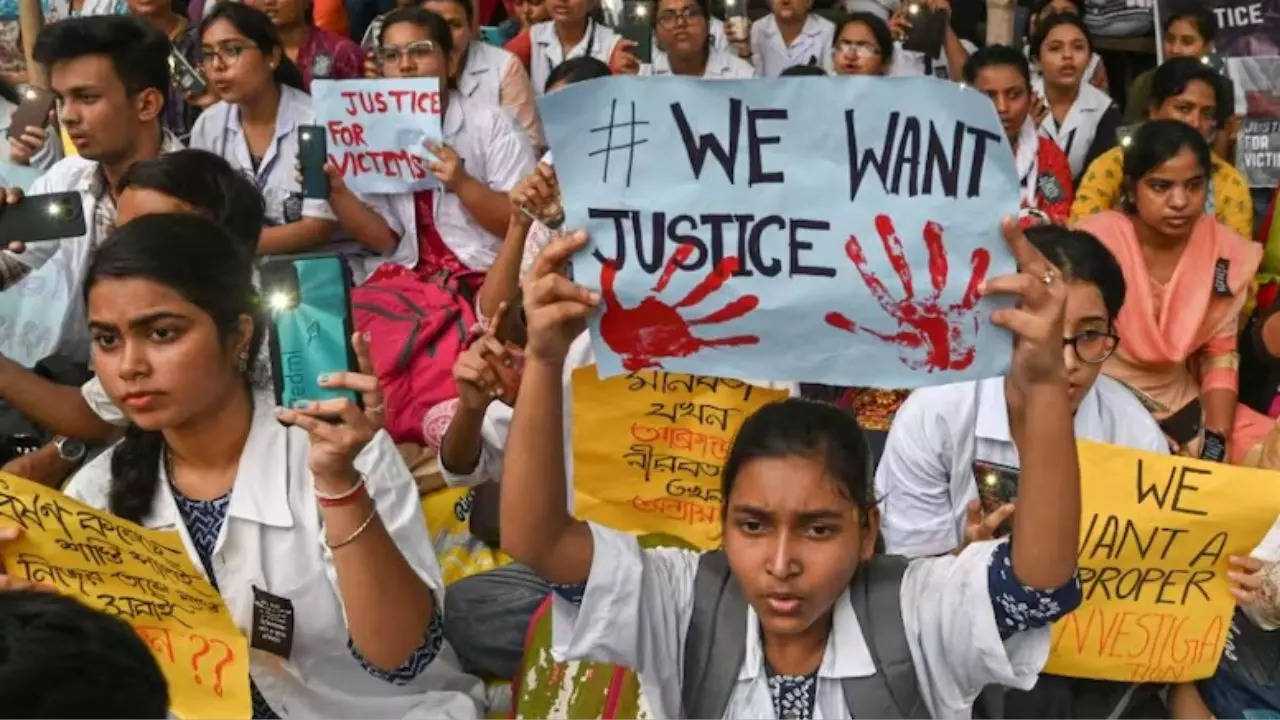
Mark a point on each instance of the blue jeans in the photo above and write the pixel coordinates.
(487, 618)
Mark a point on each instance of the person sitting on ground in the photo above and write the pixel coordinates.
(800, 527)
(1188, 32)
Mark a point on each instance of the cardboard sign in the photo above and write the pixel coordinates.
(378, 130)
(143, 576)
(830, 230)
(1155, 535)
(648, 449)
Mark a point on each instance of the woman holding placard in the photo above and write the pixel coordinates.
(255, 125)
(306, 516)
(1188, 276)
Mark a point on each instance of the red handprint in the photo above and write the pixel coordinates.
(930, 336)
(653, 329)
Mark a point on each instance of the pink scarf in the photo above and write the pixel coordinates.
(1191, 313)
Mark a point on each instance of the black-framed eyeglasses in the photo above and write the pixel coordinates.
(1093, 347)
(670, 18)
(226, 53)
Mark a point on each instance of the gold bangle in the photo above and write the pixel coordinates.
(373, 513)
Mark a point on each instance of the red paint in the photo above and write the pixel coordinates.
(930, 336)
(613, 698)
(654, 329)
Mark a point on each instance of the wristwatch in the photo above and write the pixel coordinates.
(1215, 446)
(70, 449)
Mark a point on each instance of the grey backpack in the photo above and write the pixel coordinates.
(715, 646)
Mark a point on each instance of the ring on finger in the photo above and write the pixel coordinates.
(1047, 277)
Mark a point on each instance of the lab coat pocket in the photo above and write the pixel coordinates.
(318, 626)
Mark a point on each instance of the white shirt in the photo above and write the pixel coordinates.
(638, 604)
(273, 539)
(494, 152)
(546, 52)
(482, 79)
(1036, 74)
(811, 47)
(1080, 125)
(218, 130)
(925, 478)
(718, 40)
(912, 63)
(721, 65)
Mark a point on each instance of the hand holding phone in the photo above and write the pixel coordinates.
(637, 26)
(184, 76)
(309, 299)
(32, 112)
(927, 31)
(997, 488)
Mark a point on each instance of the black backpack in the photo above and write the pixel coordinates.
(715, 646)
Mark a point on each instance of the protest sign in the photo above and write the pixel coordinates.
(1247, 46)
(648, 449)
(1156, 533)
(142, 576)
(377, 130)
(829, 230)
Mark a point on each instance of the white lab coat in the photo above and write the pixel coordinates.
(912, 63)
(721, 65)
(638, 604)
(273, 539)
(546, 53)
(1076, 133)
(811, 47)
(494, 151)
(925, 477)
(218, 130)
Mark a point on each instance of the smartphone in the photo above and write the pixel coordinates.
(33, 111)
(39, 218)
(928, 30)
(637, 26)
(492, 34)
(309, 298)
(184, 75)
(997, 485)
(313, 151)
(1184, 426)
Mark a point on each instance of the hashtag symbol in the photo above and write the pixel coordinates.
(609, 147)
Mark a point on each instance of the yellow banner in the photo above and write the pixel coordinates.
(648, 449)
(1155, 535)
(143, 576)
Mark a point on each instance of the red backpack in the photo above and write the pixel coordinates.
(417, 327)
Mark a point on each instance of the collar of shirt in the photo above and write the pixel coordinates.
(1089, 100)
(261, 492)
(812, 26)
(993, 412)
(544, 34)
(845, 656)
(479, 65)
(454, 115)
(294, 108)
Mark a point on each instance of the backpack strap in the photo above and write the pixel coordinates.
(715, 645)
(893, 692)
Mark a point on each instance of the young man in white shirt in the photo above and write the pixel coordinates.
(925, 479)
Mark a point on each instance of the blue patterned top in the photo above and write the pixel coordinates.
(794, 696)
(1018, 607)
(204, 520)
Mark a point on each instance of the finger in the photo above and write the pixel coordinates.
(557, 253)
(973, 513)
(1028, 257)
(993, 521)
(315, 427)
(9, 534)
(490, 347)
(325, 409)
(557, 288)
(1248, 581)
(12, 196)
(1244, 597)
(1021, 323)
(1246, 563)
(346, 380)
(563, 313)
(1030, 290)
(496, 321)
(17, 247)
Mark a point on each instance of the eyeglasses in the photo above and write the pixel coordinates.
(1092, 347)
(670, 18)
(227, 53)
(417, 51)
(856, 48)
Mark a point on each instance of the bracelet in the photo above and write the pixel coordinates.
(344, 495)
(373, 513)
(346, 499)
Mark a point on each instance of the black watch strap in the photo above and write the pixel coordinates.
(1215, 446)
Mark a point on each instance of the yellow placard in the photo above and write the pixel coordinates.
(648, 449)
(143, 576)
(460, 554)
(1155, 535)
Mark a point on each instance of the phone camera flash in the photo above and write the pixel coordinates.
(914, 8)
(279, 301)
(990, 480)
(55, 209)
(306, 134)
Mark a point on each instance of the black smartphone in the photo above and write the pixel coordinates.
(313, 151)
(38, 218)
(33, 111)
(309, 298)
(928, 30)
(637, 26)
(1184, 426)
(997, 485)
(184, 75)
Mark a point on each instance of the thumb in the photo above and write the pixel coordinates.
(973, 513)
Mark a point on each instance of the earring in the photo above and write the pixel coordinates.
(243, 365)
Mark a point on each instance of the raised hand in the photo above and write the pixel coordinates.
(654, 329)
(929, 336)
